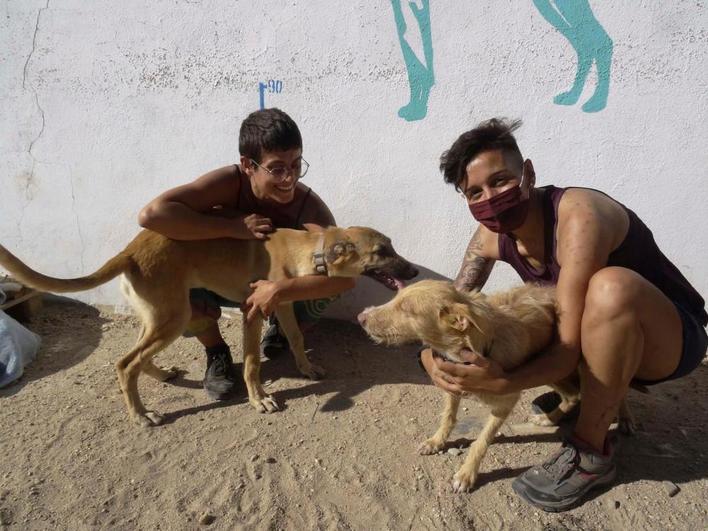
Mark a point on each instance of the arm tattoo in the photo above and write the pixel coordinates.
(475, 269)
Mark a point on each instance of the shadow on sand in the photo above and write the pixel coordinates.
(70, 332)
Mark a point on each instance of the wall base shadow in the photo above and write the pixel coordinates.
(70, 332)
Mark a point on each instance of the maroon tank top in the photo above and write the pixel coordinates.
(638, 252)
(284, 216)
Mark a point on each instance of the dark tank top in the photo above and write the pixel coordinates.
(638, 252)
(284, 216)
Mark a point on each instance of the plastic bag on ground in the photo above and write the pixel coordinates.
(18, 347)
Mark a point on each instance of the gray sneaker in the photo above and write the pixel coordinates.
(563, 481)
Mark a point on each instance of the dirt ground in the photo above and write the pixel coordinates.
(341, 455)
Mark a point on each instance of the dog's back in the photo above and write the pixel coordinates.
(528, 323)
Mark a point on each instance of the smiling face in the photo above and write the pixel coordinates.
(264, 175)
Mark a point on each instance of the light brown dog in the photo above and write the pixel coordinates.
(158, 273)
(507, 327)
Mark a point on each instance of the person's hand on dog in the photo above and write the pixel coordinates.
(476, 373)
(259, 226)
(263, 300)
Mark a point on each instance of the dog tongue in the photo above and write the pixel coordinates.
(399, 283)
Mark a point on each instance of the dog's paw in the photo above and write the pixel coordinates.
(463, 482)
(430, 447)
(312, 371)
(267, 404)
(169, 373)
(541, 419)
(148, 419)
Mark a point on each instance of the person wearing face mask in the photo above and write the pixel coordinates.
(248, 201)
(626, 312)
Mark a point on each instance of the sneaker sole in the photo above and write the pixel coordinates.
(521, 489)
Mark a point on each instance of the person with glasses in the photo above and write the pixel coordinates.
(626, 313)
(249, 200)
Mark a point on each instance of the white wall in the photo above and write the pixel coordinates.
(105, 104)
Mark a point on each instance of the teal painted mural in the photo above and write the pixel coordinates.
(575, 20)
(421, 77)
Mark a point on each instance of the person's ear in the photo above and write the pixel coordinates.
(529, 174)
(247, 165)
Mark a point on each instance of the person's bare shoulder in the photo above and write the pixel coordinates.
(315, 211)
(218, 187)
(485, 243)
(594, 210)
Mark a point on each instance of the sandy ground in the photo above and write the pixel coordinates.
(341, 455)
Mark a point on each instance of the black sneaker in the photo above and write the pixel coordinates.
(220, 378)
(274, 344)
(563, 481)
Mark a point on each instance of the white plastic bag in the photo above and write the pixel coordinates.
(18, 347)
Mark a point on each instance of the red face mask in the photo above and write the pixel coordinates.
(504, 212)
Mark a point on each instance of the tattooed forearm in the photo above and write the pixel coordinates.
(473, 273)
(475, 269)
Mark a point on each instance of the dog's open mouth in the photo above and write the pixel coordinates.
(384, 278)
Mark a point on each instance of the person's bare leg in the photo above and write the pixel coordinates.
(211, 337)
(629, 329)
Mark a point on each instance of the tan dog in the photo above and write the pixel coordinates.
(158, 273)
(507, 327)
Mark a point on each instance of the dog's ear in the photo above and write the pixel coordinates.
(340, 251)
(457, 316)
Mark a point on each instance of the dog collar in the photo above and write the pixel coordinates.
(319, 257)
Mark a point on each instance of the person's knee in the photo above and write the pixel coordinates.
(611, 292)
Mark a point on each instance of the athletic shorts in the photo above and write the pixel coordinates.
(695, 342)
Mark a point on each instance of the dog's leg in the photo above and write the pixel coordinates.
(625, 421)
(288, 322)
(161, 374)
(466, 476)
(258, 398)
(132, 364)
(447, 423)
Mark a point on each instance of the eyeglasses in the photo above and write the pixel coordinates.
(280, 173)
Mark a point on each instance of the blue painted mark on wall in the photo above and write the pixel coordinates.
(574, 19)
(273, 86)
(421, 77)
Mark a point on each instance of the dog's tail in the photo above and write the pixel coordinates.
(25, 275)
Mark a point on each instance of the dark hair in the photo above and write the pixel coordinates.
(267, 130)
(487, 136)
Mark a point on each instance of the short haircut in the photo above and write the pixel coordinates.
(267, 130)
(490, 135)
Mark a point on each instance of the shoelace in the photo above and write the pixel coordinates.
(220, 365)
(562, 463)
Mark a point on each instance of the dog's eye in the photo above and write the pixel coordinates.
(383, 252)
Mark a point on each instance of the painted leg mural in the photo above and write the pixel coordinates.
(574, 19)
(420, 76)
